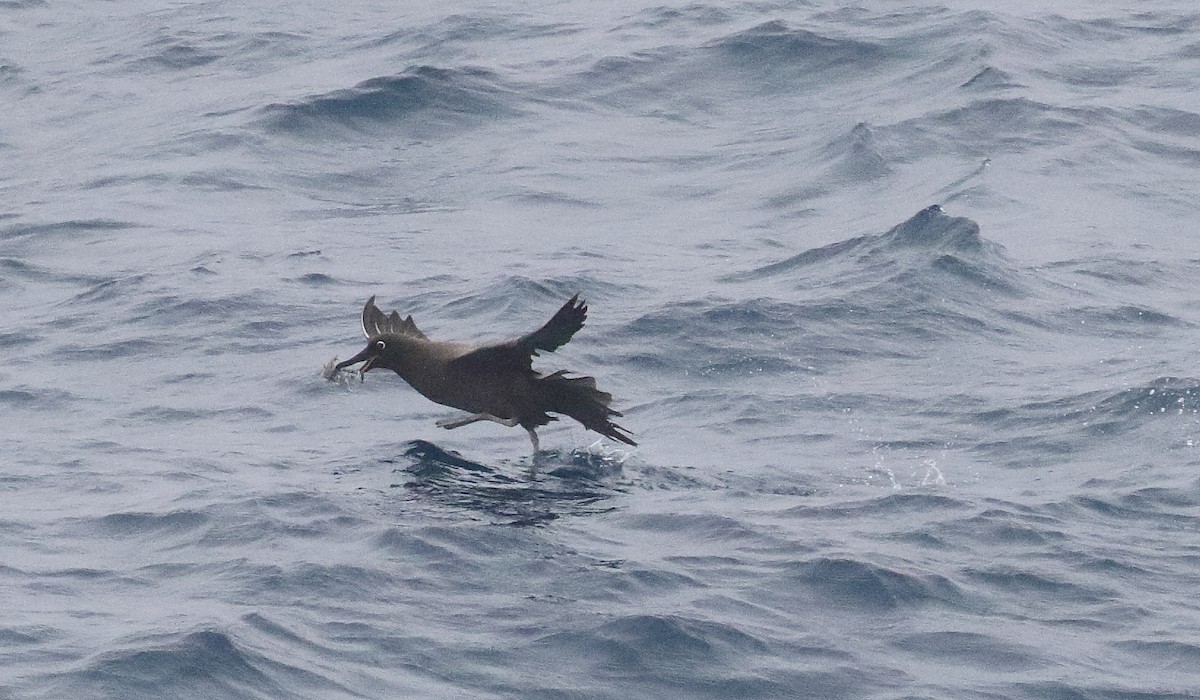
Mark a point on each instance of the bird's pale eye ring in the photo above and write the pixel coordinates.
(380, 345)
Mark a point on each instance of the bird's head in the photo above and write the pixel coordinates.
(387, 338)
(381, 351)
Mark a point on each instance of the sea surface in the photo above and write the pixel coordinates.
(900, 300)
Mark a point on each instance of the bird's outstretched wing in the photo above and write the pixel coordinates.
(519, 353)
(375, 322)
(558, 330)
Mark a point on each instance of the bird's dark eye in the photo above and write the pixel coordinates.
(380, 345)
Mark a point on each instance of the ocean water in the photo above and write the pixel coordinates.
(899, 300)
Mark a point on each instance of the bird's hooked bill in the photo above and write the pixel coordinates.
(367, 356)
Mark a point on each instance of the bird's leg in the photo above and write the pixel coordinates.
(534, 439)
(452, 423)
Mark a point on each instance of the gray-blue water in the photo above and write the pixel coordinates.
(900, 301)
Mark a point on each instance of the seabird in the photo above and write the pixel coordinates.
(491, 382)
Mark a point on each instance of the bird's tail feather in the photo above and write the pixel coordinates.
(579, 398)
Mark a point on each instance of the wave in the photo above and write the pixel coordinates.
(931, 277)
(137, 524)
(770, 51)
(686, 16)
(660, 641)
(1103, 412)
(162, 415)
(888, 507)
(1117, 271)
(718, 337)
(1163, 133)
(775, 45)
(197, 664)
(175, 53)
(514, 304)
(984, 651)
(990, 79)
(848, 583)
(66, 228)
(857, 157)
(1119, 297)
(686, 656)
(1164, 507)
(18, 337)
(1043, 432)
(952, 244)
(423, 97)
(455, 30)
(678, 81)
(1122, 320)
(994, 124)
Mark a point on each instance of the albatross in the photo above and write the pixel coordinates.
(491, 382)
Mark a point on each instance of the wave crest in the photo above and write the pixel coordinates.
(425, 96)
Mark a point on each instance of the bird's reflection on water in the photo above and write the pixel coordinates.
(535, 490)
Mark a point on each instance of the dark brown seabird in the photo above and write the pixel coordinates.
(493, 382)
